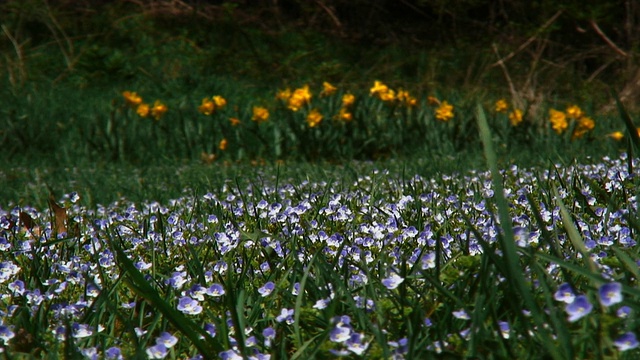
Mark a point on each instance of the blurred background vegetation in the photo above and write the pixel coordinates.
(529, 50)
(64, 65)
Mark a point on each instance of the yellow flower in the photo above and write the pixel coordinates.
(558, 121)
(389, 95)
(143, 110)
(158, 110)
(260, 114)
(515, 117)
(348, 100)
(444, 112)
(574, 112)
(223, 145)
(234, 121)
(314, 118)
(585, 124)
(406, 98)
(283, 95)
(345, 115)
(378, 88)
(207, 107)
(616, 135)
(299, 98)
(132, 98)
(219, 101)
(328, 89)
(502, 106)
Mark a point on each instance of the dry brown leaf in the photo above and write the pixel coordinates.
(59, 216)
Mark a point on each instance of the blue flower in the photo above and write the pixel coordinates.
(285, 315)
(565, 294)
(461, 314)
(230, 355)
(610, 293)
(340, 334)
(392, 281)
(81, 330)
(215, 290)
(623, 312)
(269, 335)
(167, 340)
(157, 351)
(579, 308)
(266, 289)
(210, 329)
(356, 344)
(189, 306)
(6, 334)
(113, 353)
(626, 342)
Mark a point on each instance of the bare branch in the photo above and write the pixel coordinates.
(530, 40)
(606, 39)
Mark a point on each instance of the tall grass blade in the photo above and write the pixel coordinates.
(515, 274)
(137, 283)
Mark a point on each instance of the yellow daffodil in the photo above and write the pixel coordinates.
(585, 124)
(299, 98)
(143, 110)
(207, 107)
(345, 115)
(406, 98)
(387, 96)
(314, 118)
(574, 112)
(284, 95)
(515, 117)
(378, 88)
(382, 92)
(558, 121)
(616, 135)
(444, 112)
(328, 89)
(223, 145)
(234, 121)
(219, 101)
(158, 109)
(348, 100)
(131, 98)
(502, 106)
(260, 114)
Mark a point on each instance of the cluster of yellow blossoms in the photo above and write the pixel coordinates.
(301, 97)
(260, 114)
(443, 111)
(384, 93)
(210, 105)
(515, 116)
(143, 109)
(560, 121)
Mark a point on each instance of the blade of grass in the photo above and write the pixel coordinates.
(137, 283)
(515, 273)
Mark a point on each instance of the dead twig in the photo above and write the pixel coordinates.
(530, 40)
(606, 39)
(518, 103)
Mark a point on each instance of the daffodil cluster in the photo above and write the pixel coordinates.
(157, 110)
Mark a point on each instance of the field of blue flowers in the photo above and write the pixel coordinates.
(386, 266)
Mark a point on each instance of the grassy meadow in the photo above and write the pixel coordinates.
(161, 198)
